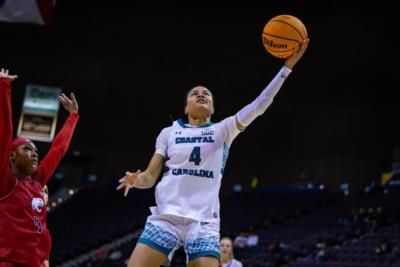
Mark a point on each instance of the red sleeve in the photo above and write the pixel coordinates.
(7, 180)
(57, 151)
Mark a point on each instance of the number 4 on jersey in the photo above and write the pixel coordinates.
(195, 155)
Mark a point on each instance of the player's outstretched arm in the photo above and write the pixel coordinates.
(6, 131)
(144, 179)
(60, 143)
(250, 112)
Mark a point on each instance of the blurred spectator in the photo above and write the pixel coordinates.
(378, 220)
(277, 248)
(361, 215)
(396, 251)
(321, 254)
(353, 215)
(101, 254)
(369, 219)
(278, 253)
(115, 255)
(240, 240)
(383, 247)
(227, 256)
(252, 238)
(359, 225)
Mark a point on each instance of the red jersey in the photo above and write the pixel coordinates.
(22, 208)
(46, 246)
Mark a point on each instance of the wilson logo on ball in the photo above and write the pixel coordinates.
(273, 44)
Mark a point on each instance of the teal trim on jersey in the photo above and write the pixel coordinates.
(154, 245)
(209, 253)
(225, 154)
(183, 124)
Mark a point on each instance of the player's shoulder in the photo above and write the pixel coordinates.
(167, 129)
(226, 121)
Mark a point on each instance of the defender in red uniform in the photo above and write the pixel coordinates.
(22, 208)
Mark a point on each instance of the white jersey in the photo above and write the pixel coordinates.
(232, 263)
(195, 158)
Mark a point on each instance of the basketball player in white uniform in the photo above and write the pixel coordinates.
(191, 156)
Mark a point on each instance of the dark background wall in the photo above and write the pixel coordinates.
(335, 119)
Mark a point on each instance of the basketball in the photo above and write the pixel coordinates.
(282, 35)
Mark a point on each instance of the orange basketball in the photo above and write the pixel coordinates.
(283, 35)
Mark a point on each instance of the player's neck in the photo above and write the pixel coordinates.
(20, 174)
(198, 121)
(225, 259)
